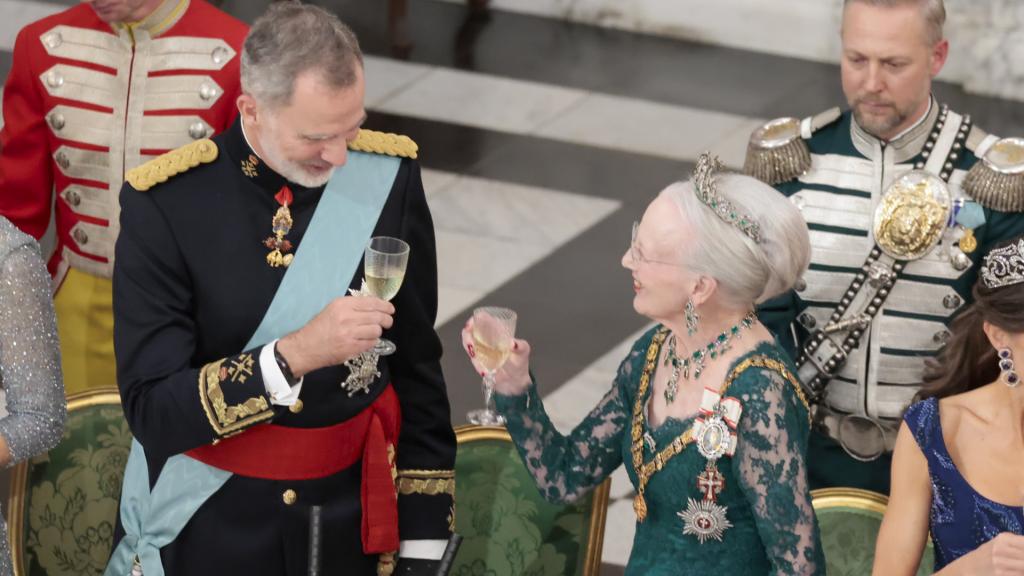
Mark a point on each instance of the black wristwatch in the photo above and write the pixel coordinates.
(286, 370)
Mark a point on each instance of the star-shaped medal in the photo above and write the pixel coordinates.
(704, 519)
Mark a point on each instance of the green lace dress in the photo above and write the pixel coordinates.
(766, 492)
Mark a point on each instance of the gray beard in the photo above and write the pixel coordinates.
(292, 171)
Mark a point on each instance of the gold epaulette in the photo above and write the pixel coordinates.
(384, 143)
(996, 180)
(777, 151)
(161, 168)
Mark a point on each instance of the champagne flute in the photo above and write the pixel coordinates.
(384, 265)
(494, 331)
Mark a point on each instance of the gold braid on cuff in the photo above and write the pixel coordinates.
(427, 482)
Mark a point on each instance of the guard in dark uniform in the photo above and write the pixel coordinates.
(242, 466)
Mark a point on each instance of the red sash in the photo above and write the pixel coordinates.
(273, 452)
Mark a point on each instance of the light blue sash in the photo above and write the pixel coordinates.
(322, 269)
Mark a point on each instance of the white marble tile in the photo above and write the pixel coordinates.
(386, 77)
(621, 486)
(571, 402)
(732, 149)
(480, 264)
(436, 181)
(620, 528)
(489, 231)
(800, 28)
(481, 100)
(633, 125)
(18, 13)
(452, 302)
(523, 215)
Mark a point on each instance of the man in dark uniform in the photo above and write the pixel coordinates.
(903, 197)
(268, 436)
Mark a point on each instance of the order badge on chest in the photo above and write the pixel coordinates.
(714, 433)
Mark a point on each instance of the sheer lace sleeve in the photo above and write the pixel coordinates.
(771, 467)
(29, 357)
(567, 467)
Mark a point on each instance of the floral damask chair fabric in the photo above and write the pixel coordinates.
(63, 505)
(849, 520)
(508, 527)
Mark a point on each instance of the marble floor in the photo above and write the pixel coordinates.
(541, 142)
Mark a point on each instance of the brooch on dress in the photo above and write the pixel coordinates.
(714, 432)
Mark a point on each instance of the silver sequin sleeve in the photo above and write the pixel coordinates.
(30, 370)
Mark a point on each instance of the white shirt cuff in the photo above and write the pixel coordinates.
(422, 549)
(273, 379)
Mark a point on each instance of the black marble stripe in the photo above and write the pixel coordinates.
(618, 62)
(629, 64)
(576, 303)
(5, 63)
(573, 305)
(534, 161)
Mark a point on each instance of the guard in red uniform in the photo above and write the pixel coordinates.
(93, 92)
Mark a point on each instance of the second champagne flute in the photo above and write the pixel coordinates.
(494, 331)
(384, 265)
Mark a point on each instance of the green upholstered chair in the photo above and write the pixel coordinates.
(509, 529)
(849, 520)
(63, 504)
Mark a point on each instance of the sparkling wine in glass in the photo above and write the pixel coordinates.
(384, 265)
(494, 331)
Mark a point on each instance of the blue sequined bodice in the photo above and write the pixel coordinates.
(961, 519)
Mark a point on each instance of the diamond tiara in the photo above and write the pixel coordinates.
(1004, 266)
(706, 188)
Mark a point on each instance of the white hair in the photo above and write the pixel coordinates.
(747, 272)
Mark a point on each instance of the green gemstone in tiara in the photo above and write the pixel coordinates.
(706, 188)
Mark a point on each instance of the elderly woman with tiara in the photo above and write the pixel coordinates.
(705, 411)
(958, 467)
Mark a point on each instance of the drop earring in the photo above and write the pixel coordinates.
(692, 318)
(1007, 374)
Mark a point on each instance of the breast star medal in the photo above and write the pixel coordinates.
(704, 519)
(362, 369)
(714, 432)
(281, 225)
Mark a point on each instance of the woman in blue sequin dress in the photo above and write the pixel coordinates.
(705, 412)
(958, 468)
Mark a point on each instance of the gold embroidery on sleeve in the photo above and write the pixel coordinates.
(223, 418)
(428, 482)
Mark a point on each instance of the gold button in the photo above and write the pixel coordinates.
(289, 497)
(296, 408)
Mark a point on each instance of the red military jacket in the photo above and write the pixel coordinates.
(87, 101)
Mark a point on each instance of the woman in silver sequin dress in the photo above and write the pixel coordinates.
(29, 358)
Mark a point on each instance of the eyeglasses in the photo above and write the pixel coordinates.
(638, 257)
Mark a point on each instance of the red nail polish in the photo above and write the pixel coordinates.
(515, 345)
(472, 352)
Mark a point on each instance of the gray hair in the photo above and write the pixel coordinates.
(934, 12)
(747, 272)
(292, 38)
